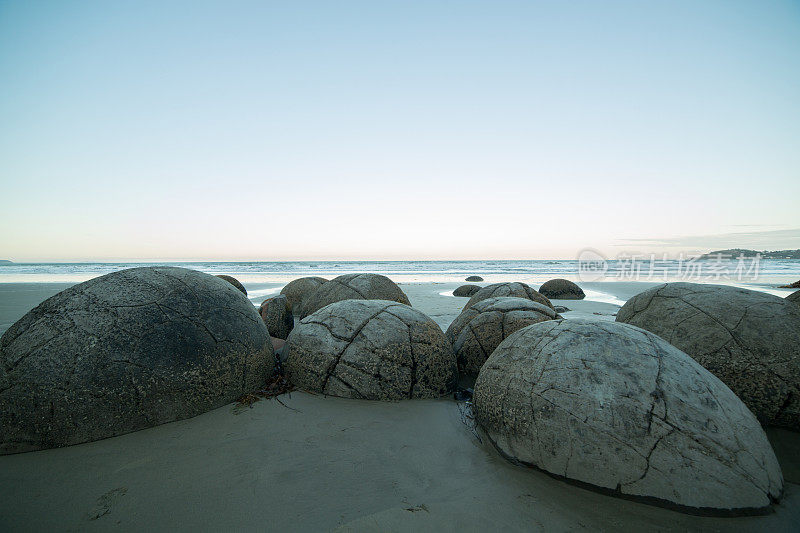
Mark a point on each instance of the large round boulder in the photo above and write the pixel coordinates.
(299, 290)
(561, 289)
(474, 278)
(466, 290)
(233, 281)
(794, 297)
(618, 408)
(515, 289)
(477, 331)
(748, 339)
(127, 351)
(370, 349)
(354, 287)
(276, 315)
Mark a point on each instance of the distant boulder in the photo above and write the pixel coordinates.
(618, 408)
(276, 315)
(561, 289)
(477, 331)
(748, 339)
(474, 278)
(795, 285)
(370, 349)
(299, 290)
(127, 351)
(354, 287)
(233, 281)
(466, 290)
(519, 290)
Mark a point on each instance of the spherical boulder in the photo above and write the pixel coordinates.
(474, 278)
(127, 351)
(515, 289)
(466, 290)
(276, 315)
(477, 331)
(233, 281)
(354, 287)
(299, 290)
(561, 289)
(618, 408)
(748, 339)
(370, 349)
(794, 297)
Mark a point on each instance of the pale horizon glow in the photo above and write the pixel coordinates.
(268, 131)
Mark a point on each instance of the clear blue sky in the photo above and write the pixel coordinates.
(259, 130)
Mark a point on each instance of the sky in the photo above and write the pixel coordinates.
(396, 130)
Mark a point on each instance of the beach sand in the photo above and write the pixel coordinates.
(308, 462)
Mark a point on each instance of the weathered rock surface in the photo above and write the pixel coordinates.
(515, 289)
(477, 331)
(466, 290)
(794, 285)
(233, 281)
(370, 349)
(276, 315)
(127, 351)
(299, 290)
(474, 278)
(748, 339)
(618, 408)
(561, 289)
(794, 297)
(354, 287)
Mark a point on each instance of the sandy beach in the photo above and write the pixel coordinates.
(309, 462)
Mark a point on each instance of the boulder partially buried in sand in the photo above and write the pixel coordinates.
(299, 290)
(748, 339)
(127, 351)
(561, 289)
(354, 287)
(233, 281)
(474, 278)
(477, 331)
(276, 315)
(515, 289)
(618, 408)
(466, 290)
(370, 349)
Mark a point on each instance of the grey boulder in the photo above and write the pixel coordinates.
(299, 290)
(561, 289)
(748, 339)
(466, 290)
(354, 287)
(474, 278)
(794, 297)
(370, 349)
(515, 289)
(127, 351)
(618, 408)
(233, 281)
(477, 331)
(276, 315)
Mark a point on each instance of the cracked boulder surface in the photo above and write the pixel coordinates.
(233, 281)
(276, 315)
(299, 290)
(794, 297)
(561, 289)
(370, 349)
(354, 287)
(127, 351)
(748, 339)
(515, 289)
(477, 331)
(466, 290)
(618, 408)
